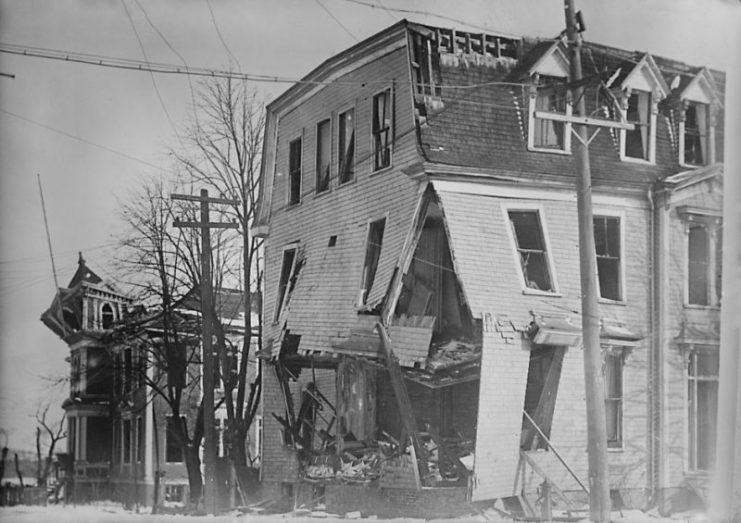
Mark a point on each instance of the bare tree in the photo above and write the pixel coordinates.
(54, 432)
(224, 144)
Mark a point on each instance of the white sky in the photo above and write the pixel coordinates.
(120, 110)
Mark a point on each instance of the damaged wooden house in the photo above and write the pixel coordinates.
(422, 280)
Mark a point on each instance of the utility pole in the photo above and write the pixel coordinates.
(599, 487)
(209, 439)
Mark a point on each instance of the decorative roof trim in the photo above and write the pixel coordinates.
(555, 52)
(658, 79)
(702, 81)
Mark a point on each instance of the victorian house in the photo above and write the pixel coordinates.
(422, 298)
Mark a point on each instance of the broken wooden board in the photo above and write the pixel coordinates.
(411, 336)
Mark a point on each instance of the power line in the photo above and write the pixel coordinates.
(221, 37)
(343, 26)
(79, 139)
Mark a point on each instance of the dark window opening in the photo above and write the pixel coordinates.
(637, 141)
(294, 172)
(702, 384)
(695, 134)
(323, 155)
(71, 319)
(98, 372)
(613, 370)
(382, 129)
(550, 134)
(543, 376)
(346, 145)
(607, 247)
(139, 440)
(116, 441)
(173, 449)
(127, 441)
(106, 313)
(128, 370)
(372, 255)
(698, 266)
(72, 440)
(531, 248)
(425, 66)
(332, 241)
(284, 289)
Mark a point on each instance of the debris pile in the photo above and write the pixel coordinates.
(452, 353)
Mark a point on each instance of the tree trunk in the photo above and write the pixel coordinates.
(195, 482)
(18, 470)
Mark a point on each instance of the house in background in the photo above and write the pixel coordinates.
(422, 293)
(121, 441)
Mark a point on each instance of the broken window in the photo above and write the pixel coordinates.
(323, 155)
(346, 144)
(425, 66)
(530, 245)
(607, 247)
(382, 129)
(372, 255)
(286, 278)
(695, 133)
(173, 450)
(550, 134)
(126, 441)
(637, 143)
(613, 371)
(294, 172)
(698, 265)
(702, 404)
(543, 376)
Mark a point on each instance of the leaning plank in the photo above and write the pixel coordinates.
(402, 399)
(530, 461)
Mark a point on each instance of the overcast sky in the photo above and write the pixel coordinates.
(94, 133)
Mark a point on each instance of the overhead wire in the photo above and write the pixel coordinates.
(221, 37)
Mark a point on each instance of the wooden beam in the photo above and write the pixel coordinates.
(403, 401)
(583, 120)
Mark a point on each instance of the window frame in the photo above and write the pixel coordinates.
(282, 294)
(622, 287)
(692, 382)
(375, 167)
(651, 111)
(619, 357)
(549, 263)
(319, 188)
(532, 120)
(295, 174)
(126, 441)
(139, 441)
(364, 289)
(167, 441)
(341, 151)
(713, 226)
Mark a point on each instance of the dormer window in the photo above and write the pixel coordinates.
(641, 90)
(700, 104)
(549, 100)
(638, 142)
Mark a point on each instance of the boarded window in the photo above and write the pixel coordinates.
(346, 142)
(698, 265)
(372, 255)
(531, 248)
(126, 441)
(173, 450)
(323, 155)
(549, 134)
(294, 172)
(613, 370)
(285, 286)
(702, 404)
(695, 134)
(382, 130)
(637, 141)
(607, 247)
(543, 376)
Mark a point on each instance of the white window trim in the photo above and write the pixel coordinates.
(531, 128)
(362, 297)
(652, 120)
(353, 108)
(620, 215)
(373, 169)
(710, 118)
(608, 346)
(316, 156)
(280, 300)
(688, 471)
(527, 206)
(711, 223)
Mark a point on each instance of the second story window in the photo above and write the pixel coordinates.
(382, 130)
(695, 134)
(638, 142)
(704, 263)
(607, 247)
(106, 313)
(346, 145)
(285, 284)
(294, 172)
(323, 155)
(372, 255)
(531, 248)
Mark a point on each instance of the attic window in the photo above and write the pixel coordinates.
(638, 143)
(372, 255)
(425, 66)
(695, 134)
(531, 248)
(106, 313)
